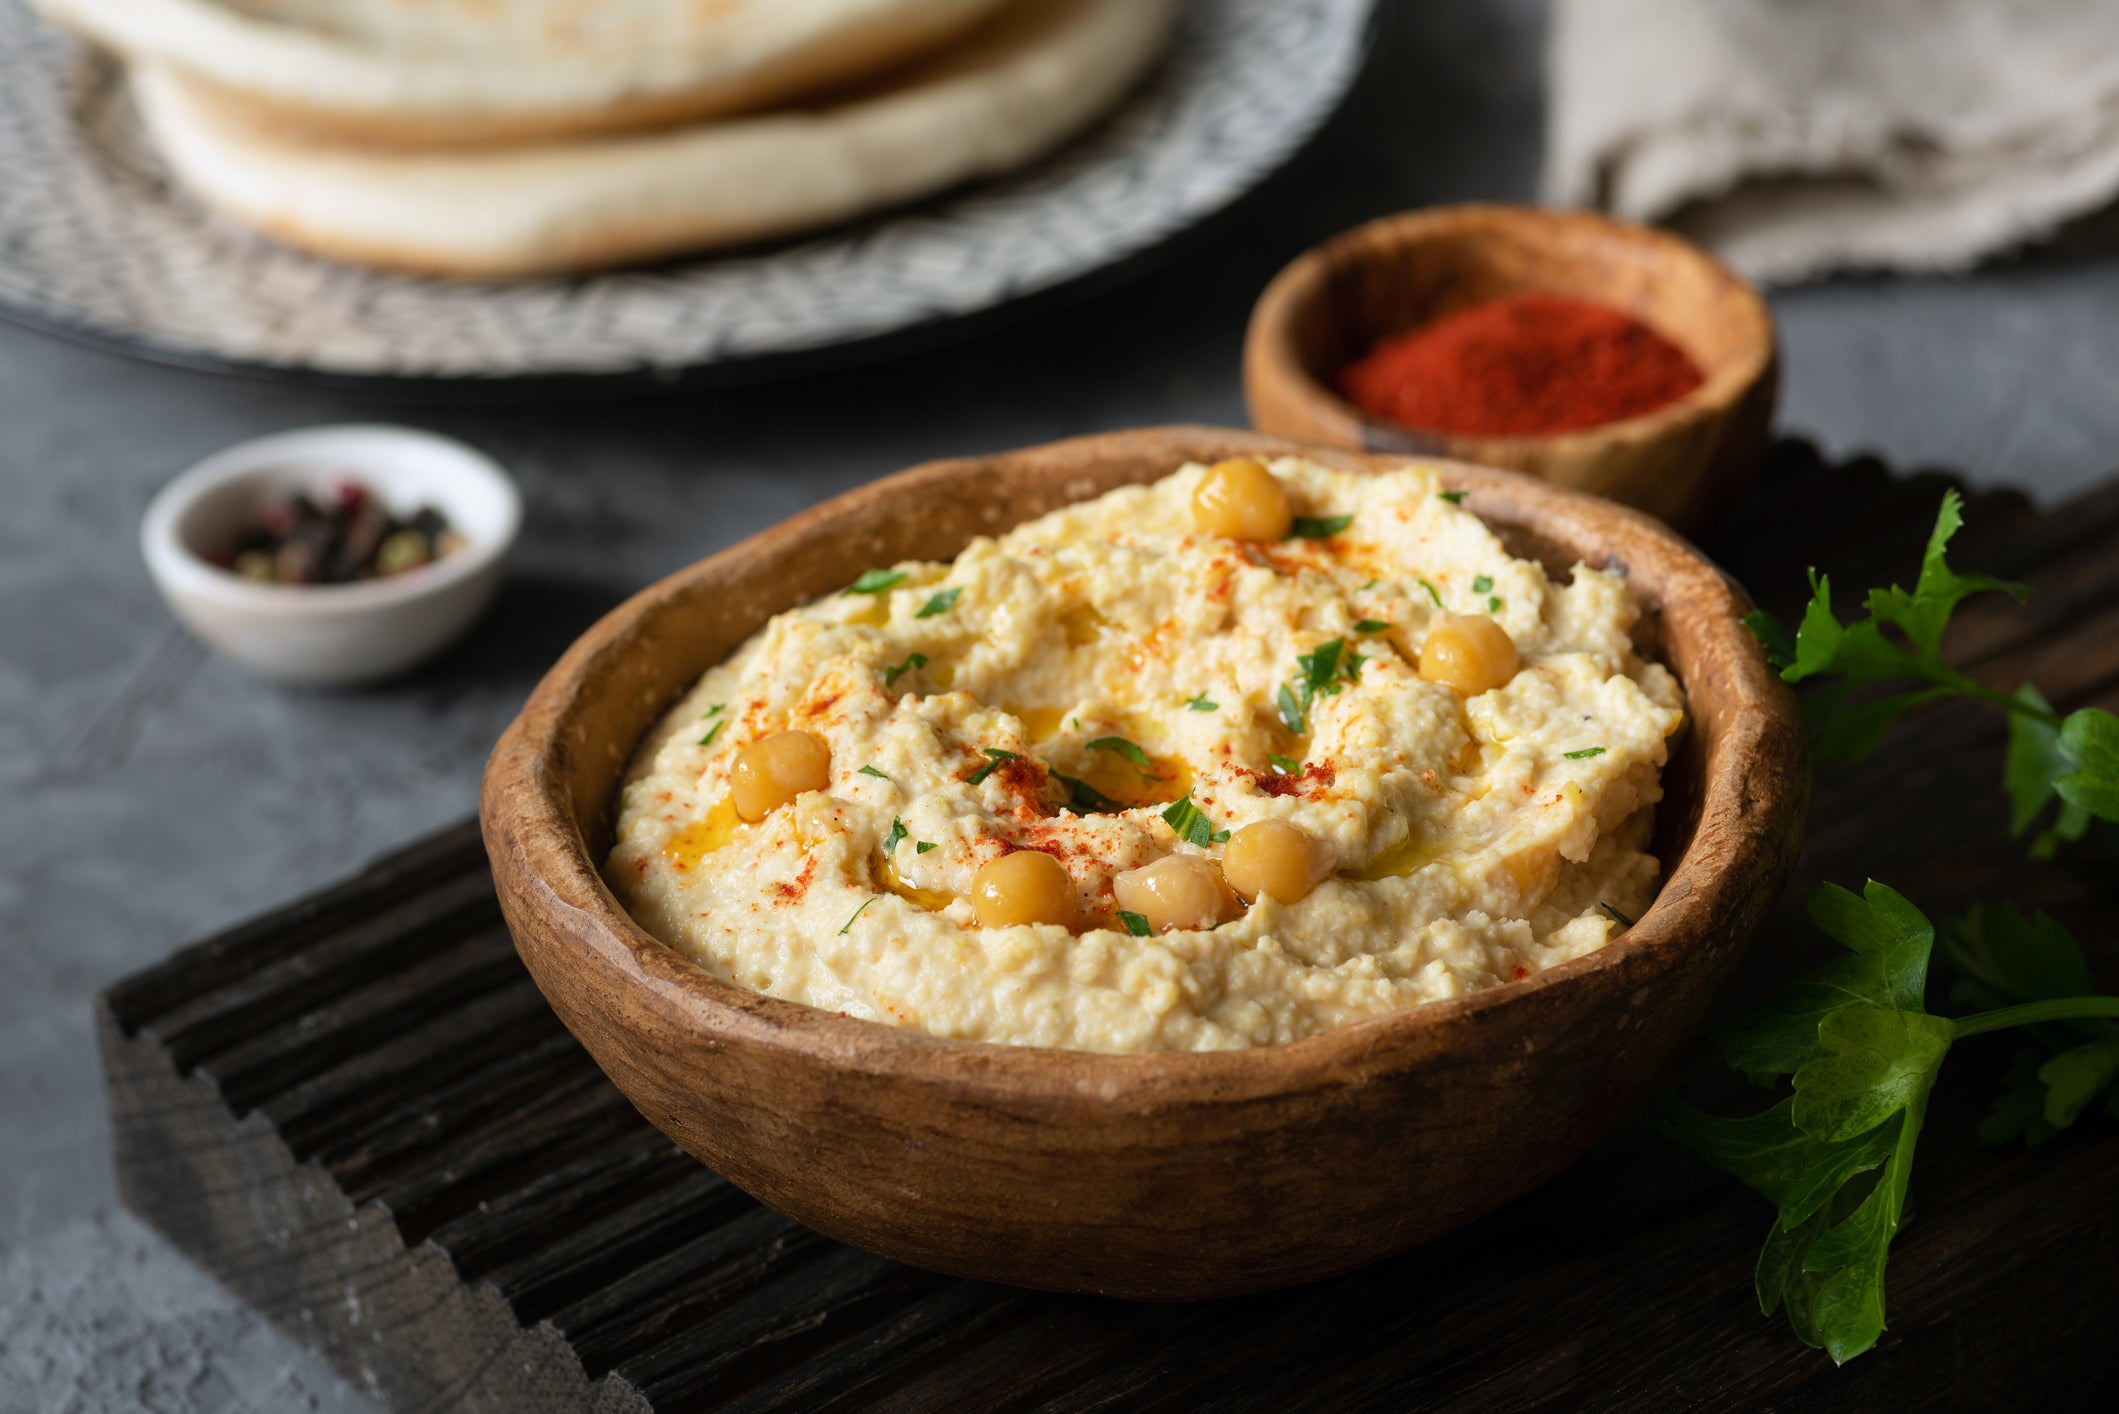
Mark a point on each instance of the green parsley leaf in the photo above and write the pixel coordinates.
(1432, 593)
(1318, 527)
(2090, 740)
(1615, 916)
(1864, 1054)
(1371, 626)
(1455, 498)
(895, 671)
(1483, 584)
(1584, 754)
(939, 603)
(1862, 654)
(1201, 704)
(2005, 958)
(874, 582)
(1083, 798)
(2033, 763)
(1292, 712)
(1120, 746)
(712, 732)
(994, 764)
(857, 913)
(1192, 824)
(1321, 664)
(897, 833)
(871, 771)
(1494, 603)
(1353, 666)
(1136, 923)
(713, 711)
(1284, 765)
(1773, 636)
(1888, 942)
(922, 846)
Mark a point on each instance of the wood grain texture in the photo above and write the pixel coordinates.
(1684, 462)
(1623, 1283)
(1169, 1175)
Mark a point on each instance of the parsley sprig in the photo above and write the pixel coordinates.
(1861, 1052)
(2072, 759)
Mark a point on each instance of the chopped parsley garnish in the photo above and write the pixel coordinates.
(1318, 527)
(857, 913)
(1136, 923)
(1321, 664)
(1483, 584)
(892, 673)
(1455, 498)
(1083, 798)
(942, 602)
(871, 771)
(1284, 765)
(1493, 603)
(1371, 626)
(874, 582)
(1320, 670)
(1584, 754)
(713, 711)
(1617, 917)
(1291, 711)
(1432, 593)
(922, 846)
(1201, 704)
(712, 732)
(1192, 824)
(1127, 749)
(991, 766)
(897, 833)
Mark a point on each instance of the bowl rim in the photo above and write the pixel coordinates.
(542, 858)
(181, 571)
(1302, 278)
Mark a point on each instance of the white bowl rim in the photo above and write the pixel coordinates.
(182, 570)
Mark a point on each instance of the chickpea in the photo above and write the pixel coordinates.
(1176, 891)
(1239, 498)
(775, 769)
(1272, 857)
(1468, 652)
(1027, 886)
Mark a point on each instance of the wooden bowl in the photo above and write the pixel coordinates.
(1161, 1176)
(1682, 461)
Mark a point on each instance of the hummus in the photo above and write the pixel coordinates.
(1108, 685)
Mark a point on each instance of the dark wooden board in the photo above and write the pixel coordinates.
(361, 1116)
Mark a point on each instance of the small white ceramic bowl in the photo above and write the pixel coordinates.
(331, 634)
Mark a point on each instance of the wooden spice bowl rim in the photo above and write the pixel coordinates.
(1271, 353)
(538, 833)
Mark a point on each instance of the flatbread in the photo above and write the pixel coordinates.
(1007, 92)
(442, 72)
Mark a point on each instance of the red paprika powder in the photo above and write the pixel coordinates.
(1518, 366)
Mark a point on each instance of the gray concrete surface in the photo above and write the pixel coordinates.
(153, 792)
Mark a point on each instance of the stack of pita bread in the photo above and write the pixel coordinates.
(501, 138)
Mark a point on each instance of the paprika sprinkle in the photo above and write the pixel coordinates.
(1520, 366)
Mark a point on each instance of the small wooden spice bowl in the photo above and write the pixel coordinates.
(1683, 461)
(1163, 1176)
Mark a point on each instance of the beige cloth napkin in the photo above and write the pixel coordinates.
(1798, 137)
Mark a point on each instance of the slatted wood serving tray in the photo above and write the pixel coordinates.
(361, 1116)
